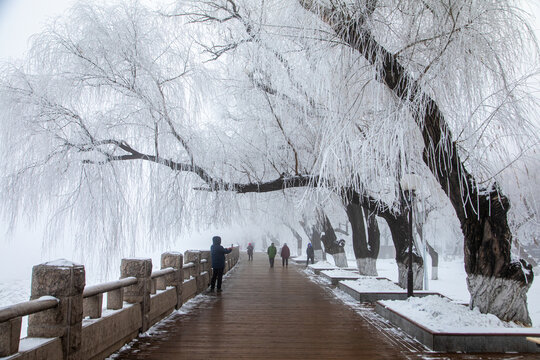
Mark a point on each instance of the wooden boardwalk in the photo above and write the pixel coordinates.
(278, 313)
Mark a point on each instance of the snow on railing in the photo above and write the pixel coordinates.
(138, 286)
(27, 308)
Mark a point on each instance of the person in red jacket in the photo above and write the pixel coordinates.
(285, 253)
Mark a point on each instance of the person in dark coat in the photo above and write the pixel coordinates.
(250, 252)
(272, 251)
(285, 253)
(218, 262)
(310, 254)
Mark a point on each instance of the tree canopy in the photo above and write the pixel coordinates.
(120, 111)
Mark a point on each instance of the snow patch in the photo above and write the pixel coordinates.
(371, 284)
(338, 273)
(441, 314)
(27, 344)
(321, 265)
(62, 263)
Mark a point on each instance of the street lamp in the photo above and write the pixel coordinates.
(409, 184)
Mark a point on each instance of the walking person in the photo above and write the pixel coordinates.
(218, 262)
(310, 254)
(285, 253)
(250, 252)
(272, 251)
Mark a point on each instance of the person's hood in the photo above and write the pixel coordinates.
(216, 240)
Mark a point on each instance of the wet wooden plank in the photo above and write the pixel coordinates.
(278, 313)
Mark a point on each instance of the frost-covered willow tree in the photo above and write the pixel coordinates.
(106, 87)
(325, 113)
(438, 83)
(458, 68)
(117, 116)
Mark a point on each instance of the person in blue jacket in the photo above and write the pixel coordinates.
(218, 262)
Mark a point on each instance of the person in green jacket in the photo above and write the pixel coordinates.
(272, 251)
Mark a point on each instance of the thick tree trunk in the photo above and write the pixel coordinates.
(314, 235)
(298, 241)
(399, 228)
(331, 244)
(373, 234)
(316, 243)
(365, 250)
(493, 278)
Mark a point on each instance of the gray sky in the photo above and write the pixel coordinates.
(19, 19)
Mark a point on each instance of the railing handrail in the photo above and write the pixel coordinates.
(28, 307)
(162, 272)
(188, 265)
(93, 290)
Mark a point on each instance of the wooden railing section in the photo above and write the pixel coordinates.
(67, 319)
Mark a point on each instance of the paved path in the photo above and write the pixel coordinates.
(278, 313)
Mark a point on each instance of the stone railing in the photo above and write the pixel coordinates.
(67, 320)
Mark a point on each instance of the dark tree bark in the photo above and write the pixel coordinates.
(314, 235)
(365, 250)
(496, 283)
(374, 235)
(323, 232)
(399, 228)
(331, 244)
(298, 238)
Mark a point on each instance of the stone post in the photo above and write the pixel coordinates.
(140, 292)
(194, 256)
(207, 267)
(115, 299)
(65, 281)
(92, 306)
(176, 279)
(10, 335)
(205, 255)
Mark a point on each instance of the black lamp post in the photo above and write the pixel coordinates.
(408, 185)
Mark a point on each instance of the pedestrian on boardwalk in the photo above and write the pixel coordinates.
(250, 252)
(285, 253)
(218, 262)
(310, 254)
(272, 251)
